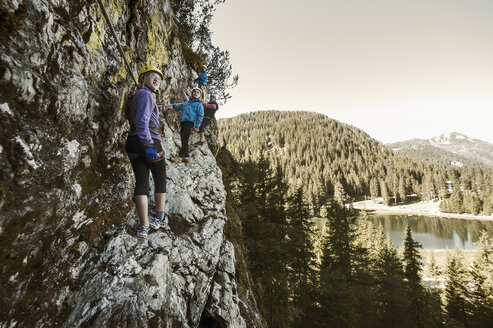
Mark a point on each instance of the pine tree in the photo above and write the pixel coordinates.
(402, 190)
(488, 202)
(336, 296)
(385, 192)
(432, 307)
(301, 259)
(249, 212)
(456, 201)
(262, 203)
(456, 294)
(395, 187)
(472, 203)
(432, 269)
(341, 234)
(339, 192)
(412, 272)
(390, 290)
(338, 304)
(278, 292)
(298, 141)
(374, 188)
(412, 258)
(428, 189)
(482, 284)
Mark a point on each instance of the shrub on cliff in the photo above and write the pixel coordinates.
(193, 19)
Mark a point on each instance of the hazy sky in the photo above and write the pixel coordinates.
(397, 69)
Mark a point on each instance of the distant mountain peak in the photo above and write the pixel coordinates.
(451, 148)
(448, 138)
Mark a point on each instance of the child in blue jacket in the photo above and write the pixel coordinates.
(191, 116)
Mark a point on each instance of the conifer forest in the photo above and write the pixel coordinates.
(285, 168)
(324, 158)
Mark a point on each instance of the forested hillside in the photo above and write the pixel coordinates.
(325, 158)
(348, 274)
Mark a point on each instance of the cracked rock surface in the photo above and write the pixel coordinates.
(69, 252)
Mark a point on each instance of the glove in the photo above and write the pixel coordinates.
(151, 153)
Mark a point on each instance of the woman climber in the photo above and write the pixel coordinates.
(145, 151)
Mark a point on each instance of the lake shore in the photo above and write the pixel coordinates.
(420, 209)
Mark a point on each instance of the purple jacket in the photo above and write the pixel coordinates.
(144, 117)
(209, 110)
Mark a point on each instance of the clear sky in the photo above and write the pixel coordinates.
(397, 69)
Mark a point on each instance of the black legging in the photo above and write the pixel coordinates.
(186, 130)
(141, 167)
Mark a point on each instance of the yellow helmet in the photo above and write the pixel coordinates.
(151, 68)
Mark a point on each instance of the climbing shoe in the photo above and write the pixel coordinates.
(185, 160)
(164, 221)
(176, 159)
(200, 143)
(160, 217)
(142, 231)
(154, 224)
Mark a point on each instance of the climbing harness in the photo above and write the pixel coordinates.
(154, 129)
(159, 157)
(116, 39)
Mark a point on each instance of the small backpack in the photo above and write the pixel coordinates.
(127, 103)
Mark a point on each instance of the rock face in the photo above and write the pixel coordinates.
(69, 255)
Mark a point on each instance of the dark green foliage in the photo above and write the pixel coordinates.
(455, 204)
(385, 193)
(402, 190)
(322, 155)
(340, 240)
(390, 290)
(339, 193)
(301, 258)
(262, 198)
(412, 258)
(279, 239)
(338, 304)
(456, 292)
(417, 313)
(374, 188)
(220, 73)
(432, 268)
(194, 18)
(481, 294)
(359, 279)
(336, 297)
(431, 307)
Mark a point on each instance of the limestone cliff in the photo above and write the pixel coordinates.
(69, 255)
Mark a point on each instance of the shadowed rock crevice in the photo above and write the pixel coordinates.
(208, 322)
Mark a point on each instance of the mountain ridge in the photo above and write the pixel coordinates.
(325, 158)
(452, 148)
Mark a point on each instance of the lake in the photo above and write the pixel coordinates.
(434, 232)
